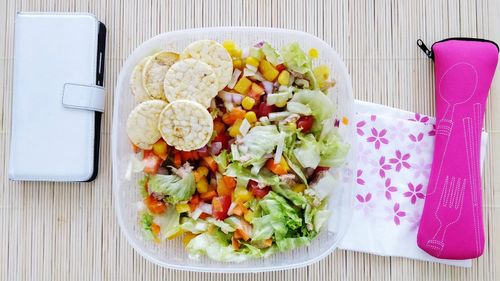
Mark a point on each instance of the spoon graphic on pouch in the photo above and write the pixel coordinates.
(456, 86)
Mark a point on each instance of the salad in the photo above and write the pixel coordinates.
(232, 147)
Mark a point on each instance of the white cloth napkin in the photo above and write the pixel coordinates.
(394, 161)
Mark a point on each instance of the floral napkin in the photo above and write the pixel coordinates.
(394, 161)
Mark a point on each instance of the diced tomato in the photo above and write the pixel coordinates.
(320, 169)
(305, 123)
(219, 127)
(220, 206)
(236, 114)
(151, 162)
(229, 181)
(240, 209)
(177, 159)
(155, 206)
(209, 162)
(194, 202)
(208, 196)
(189, 155)
(264, 109)
(256, 97)
(257, 191)
(280, 67)
(204, 216)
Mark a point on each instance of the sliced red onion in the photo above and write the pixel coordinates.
(215, 147)
(260, 44)
(268, 86)
(236, 98)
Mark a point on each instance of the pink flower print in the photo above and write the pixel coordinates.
(432, 132)
(359, 180)
(397, 214)
(420, 118)
(365, 204)
(400, 160)
(421, 168)
(382, 166)
(389, 188)
(417, 142)
(414, 193)
(398, 130)
(373, 118)
(359, 127)
(378, 137)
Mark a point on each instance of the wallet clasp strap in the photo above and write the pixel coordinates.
(87, 97)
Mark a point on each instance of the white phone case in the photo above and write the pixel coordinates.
(57, 97)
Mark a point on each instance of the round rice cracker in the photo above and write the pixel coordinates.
(186, 125)
(136, 85)
(215, 55)
(142, 123)
(191, 79)
(154, 72)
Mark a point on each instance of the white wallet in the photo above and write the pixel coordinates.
(58, 97)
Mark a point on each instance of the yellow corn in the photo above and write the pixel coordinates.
(229, 45)
(299, 187)
(313, 53)
(236, 52)
(238, 63)
(247, 103)
(321, 72)
(202, 185)
(251, 117)
(269, 72)
(284, 78)
(252, 61)
(248, 216)
(182, 208)
(235, 129)
(203, 171)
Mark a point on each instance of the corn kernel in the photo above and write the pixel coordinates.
(236, 52)
(299, 187)
(187, 238)
(284, 164)
(284, 78)
(252, 61)
(269, 72)
(203, 171)
(321, 72)
(202, 185)
(251, 117)
(247, 103)
(249, 215)
(243, 85)
(238, 63)
(182, 208)
(235, 129)
(313, 53)
(229, 45)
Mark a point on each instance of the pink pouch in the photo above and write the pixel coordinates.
(452, 222)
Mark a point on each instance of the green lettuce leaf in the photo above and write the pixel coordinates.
(169, 223)
(271, 54)
(194, 226)
(175, 188)
(322, 108)
(146, 220)
(292, 243)
(308, 151)
(297, 60)
(276, 205)
(222, 161)
(297, 199)
(243, 175)
(320, 219)
(259, 141)
(142, 186)
(333, 151)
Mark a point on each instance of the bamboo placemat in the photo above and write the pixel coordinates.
(54, 231)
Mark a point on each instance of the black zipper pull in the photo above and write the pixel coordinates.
(424, 48)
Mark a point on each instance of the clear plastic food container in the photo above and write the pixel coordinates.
(126, 193)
